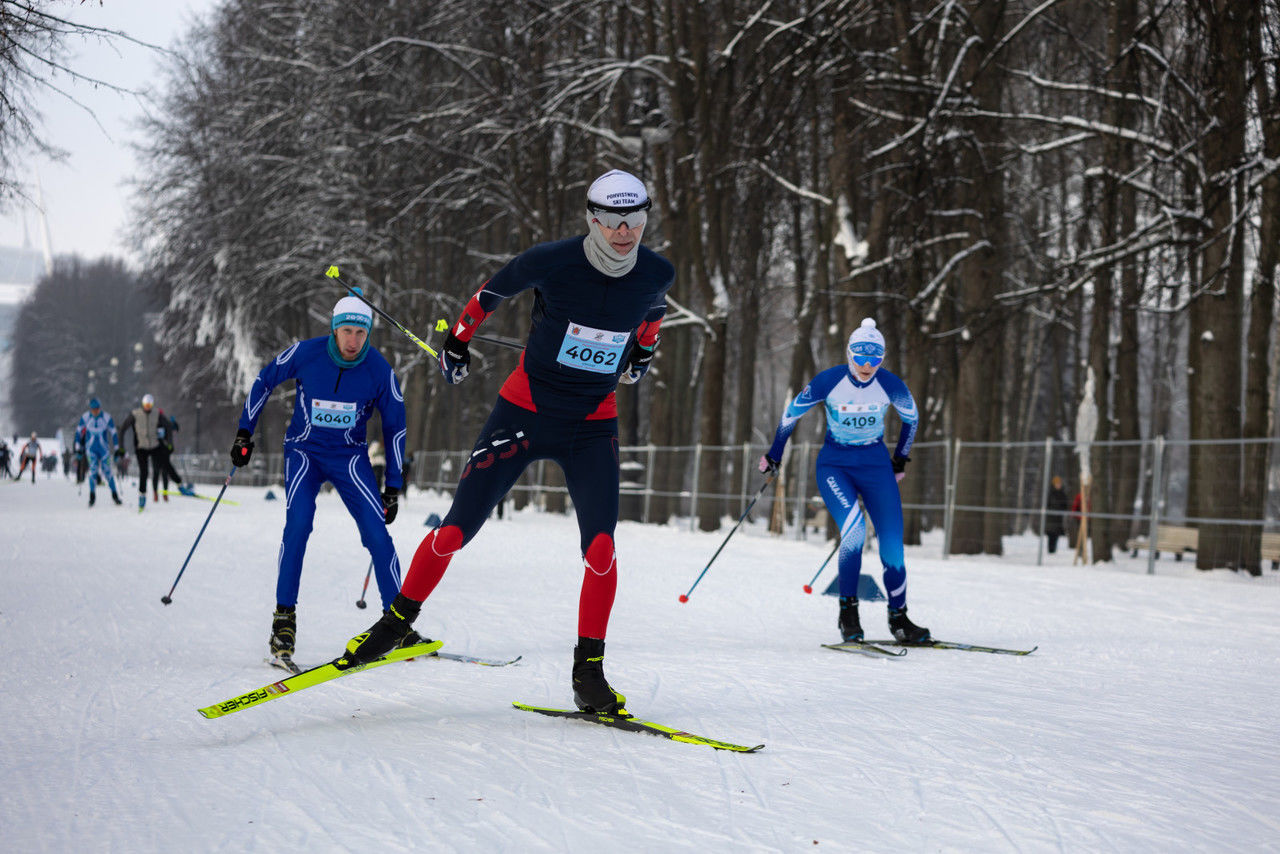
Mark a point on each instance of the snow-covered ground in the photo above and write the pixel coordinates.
(1147, 720)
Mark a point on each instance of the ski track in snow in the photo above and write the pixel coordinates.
(1143, 723)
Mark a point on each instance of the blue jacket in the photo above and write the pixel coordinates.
(855, 413)
(332, 404)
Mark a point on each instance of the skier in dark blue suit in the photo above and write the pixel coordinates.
(855, 462)
(339, 380)
(597, 305)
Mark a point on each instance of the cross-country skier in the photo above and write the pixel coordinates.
(598, 302)
(339, 380)
(150, 425)
(4, 459)
(855, 462)
(29, 455)
(96, 435)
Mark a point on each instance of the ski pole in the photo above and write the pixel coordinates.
(167, 598)
(360, 603)
(808, 588)
(332, 273)
(442, 325)
(685, 597)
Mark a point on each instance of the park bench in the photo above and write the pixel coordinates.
(1271, 549)
(1170, 538)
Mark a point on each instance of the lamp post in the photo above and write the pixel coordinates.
(199, 403)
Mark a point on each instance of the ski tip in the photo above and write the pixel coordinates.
(332, 272)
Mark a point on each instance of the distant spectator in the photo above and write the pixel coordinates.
(1055, 522)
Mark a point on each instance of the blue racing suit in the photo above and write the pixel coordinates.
(854, 462)
(326, 441)
(97, 435)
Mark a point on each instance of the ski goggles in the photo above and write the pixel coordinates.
(866, 354)
(616, 218)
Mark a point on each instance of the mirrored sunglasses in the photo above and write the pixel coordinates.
(866, 360)
(612, 218)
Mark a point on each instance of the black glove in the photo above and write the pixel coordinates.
(769, 466)
(900, 465)
(455, 360)
(119, 453)
(242, 447)
(637, 364)
(390, 503)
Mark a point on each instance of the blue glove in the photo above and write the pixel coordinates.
(455, 360)
(637, 364)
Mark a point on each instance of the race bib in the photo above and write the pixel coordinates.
(856, 423)
(859, 416)
(333, 413)
(595, 350)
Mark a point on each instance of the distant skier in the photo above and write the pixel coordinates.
(339, 381)
(163, 459)
(854, 461)
(29, 455)
(149, 425)
(96, 434)
(598, 303)
(5, 454)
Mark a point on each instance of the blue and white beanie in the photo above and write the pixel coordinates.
(866, 340)
(352, 311)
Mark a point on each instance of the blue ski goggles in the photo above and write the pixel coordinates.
(866, 354)
(611, 218)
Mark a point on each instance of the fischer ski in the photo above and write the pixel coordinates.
(625, 721)
(865, 648)
(970, 647)
(308, 678)
(471, 659)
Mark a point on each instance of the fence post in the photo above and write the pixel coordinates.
(1044, 496)
(697, 473)
(648, 485)
(1157, 475)
(953, 466)
(802, 489)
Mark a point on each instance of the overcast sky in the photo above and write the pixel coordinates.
(86, 196)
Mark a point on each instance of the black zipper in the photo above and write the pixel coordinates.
(339, 379)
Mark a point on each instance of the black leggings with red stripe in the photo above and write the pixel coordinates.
(512, 438)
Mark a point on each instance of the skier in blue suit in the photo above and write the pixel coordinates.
(96, 434)
(339, 380)
(854, 462)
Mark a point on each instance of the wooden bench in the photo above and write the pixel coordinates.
(1172, 538)
(1271, 549)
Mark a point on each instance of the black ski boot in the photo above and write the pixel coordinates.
(116, 498)
(284, 630)
(93, 496)
(591, 693)
(904, 630)
(850, 625)
(383, 636)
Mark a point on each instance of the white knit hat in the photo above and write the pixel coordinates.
(866, 340)
(352, 311)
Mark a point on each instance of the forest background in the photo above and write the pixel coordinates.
(1022, 193)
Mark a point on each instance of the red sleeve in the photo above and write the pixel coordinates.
(647, 333)
(472, 316)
